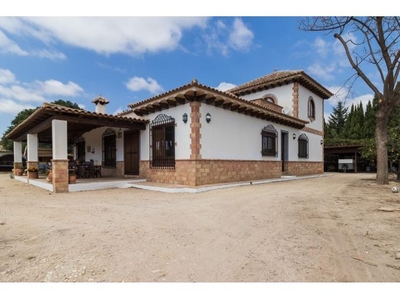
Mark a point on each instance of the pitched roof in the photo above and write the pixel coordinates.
(279, 78)
(79, 121)
(195, 91)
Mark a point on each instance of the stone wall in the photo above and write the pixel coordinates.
(201, 172)
(300, 168)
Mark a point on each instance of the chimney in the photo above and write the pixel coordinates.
(100, 103)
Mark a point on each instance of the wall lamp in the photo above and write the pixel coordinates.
(208, 117)
(120, 133)
(185, 118)
(294, 136)
(322, 142)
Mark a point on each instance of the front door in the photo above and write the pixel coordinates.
(131, 152)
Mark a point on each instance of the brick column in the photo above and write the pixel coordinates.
(295, 99)
(17, 157)
(60, 156)
(195, 130)
(60, 175)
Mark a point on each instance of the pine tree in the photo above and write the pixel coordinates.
(337, 121)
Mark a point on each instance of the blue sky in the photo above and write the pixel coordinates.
(128, 59)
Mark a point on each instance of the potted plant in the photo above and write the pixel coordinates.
(49, 176)
(18, 172)
(72, 176)
(33, 172)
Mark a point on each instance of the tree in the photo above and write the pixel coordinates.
(370, 41)
(337, 121)
(22, 115)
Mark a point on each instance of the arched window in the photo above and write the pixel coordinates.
(303, 146)
(311, 108)
(162, 139)
(271, 98)
(109, 148)
(269, 137)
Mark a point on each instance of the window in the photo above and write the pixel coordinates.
(109, 148)
(271, 98)
(162, 131)
(268, 141)
(303, 146)
(311, 108)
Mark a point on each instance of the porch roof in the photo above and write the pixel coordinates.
(79, 122)
(195, 91)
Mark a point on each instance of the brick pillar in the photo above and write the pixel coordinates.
(195, 130)
(195, 145)
(18, 165)
(295, 99)
(60, 158)
(60, 175)
(17, 157)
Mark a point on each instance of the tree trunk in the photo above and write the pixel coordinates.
(382, 172)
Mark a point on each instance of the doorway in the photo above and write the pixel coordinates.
(131, 152)
(284, 150)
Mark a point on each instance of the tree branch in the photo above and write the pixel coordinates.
(356, 67)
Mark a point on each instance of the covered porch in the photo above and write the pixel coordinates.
(87, 184)
(60, 126)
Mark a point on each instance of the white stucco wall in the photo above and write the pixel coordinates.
(304, 95)
(284, 94)
(315, 149)
(231, 135)
(182, 132)
(94, 140)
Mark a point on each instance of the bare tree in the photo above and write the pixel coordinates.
(370, 41)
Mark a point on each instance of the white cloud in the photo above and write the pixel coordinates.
(50, 54)
(118, 110)
(223, 38)
(342, 94)
(139, 83)
(6, 76)
(241, 37)
(322, 47)
(12, 107)
(20, 93)
(8, 46)
(224, 86)
(109, 35)
(363, 99)
(324, 72)
(55, 87)
(16, 96)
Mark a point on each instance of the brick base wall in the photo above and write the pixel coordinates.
(201, 172)
(217, 171)
(184, 173)
(300, 168)
(117, 171)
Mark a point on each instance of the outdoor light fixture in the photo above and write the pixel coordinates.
(185, 118)
(208, 117)
(322, 142)
(294, 136)
(120, 133)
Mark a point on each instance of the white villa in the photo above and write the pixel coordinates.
(192, 135)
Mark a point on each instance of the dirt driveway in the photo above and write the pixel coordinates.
(311, 230)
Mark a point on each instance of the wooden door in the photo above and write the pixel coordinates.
(131, 152)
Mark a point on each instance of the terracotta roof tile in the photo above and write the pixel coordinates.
(281, 77)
